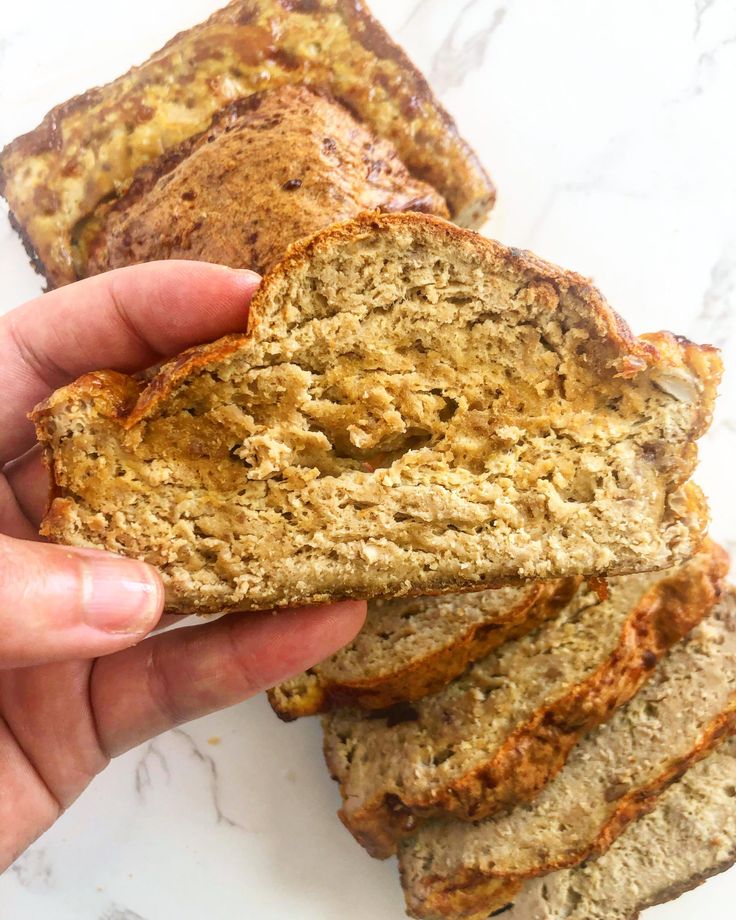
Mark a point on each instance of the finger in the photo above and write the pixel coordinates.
(46, 709)
(29, 480)
(27, 807)
(58, 603)
(126, 320)
(12, 519)
(187, 673)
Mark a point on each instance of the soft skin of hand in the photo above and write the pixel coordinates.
(81, 680)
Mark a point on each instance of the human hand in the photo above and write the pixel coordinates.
(75, 687)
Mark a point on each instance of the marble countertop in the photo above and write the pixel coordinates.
(608, 128)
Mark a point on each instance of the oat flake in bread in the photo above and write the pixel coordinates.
(89, 148)
(414, 409)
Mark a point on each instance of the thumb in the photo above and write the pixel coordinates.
(58, 602)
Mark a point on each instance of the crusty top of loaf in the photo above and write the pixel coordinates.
(91, 146)
(271, 168)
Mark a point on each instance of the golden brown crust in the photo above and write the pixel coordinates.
(538, 749)
(334, 45)
(473, 893)
(422, 676)
(271, 168)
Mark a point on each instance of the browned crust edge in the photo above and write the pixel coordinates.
(426, 675)
(472, 891)
(538, 749)
(467, 186)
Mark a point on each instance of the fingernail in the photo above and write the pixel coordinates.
(247, 275)
(121, 595)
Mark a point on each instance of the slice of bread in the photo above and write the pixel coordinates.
(89, 148)
(411, 647)
(689, 837)
(270, 169)
(495, 736)
(456, 870)
(414, 410)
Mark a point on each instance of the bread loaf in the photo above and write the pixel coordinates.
(89, 148)
(270, 169)
(457, 871)
(413, 410)
(495, 736)
(689, 837)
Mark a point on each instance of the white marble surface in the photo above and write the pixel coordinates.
(609, 129)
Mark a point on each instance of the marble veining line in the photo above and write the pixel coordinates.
(214, 778)
(33, 869)
(708, 62)
(701, 8)
(456, 58)
(142, 771)
(716, 321)
(120, 913)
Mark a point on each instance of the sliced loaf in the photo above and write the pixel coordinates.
(411, 647)
(88, 149)
(414, 410)
(270, 169)
(456, 870)
(689, 837)
(495, 736)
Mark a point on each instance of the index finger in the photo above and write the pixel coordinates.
(125, 320)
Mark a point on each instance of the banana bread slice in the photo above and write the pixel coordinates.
(414, 410)
(270, 169)
(495, 736)
(457, 870)
(410, 647)
(89, 148)
(689, 837)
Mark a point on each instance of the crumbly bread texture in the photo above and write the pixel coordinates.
(410, 647)
(89, 148)
(455, 870)
(413, 410)
(495, 736)
(270, 169)
(689, 837)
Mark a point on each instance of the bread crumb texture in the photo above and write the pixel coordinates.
(413, 410)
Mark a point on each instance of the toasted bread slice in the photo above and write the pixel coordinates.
(689, 837)
(456, 870)
(414, 410)
(270, 169)
(495, 736)
(89, 148)
(409, 648)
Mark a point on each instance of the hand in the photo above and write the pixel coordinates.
(75, 687)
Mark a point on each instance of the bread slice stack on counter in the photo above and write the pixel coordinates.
(536, 716)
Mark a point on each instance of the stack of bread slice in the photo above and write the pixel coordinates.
(536, 716)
